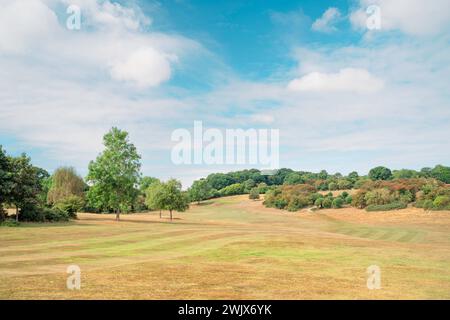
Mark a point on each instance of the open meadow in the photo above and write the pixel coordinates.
(231, 248)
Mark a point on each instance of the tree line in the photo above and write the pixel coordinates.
(114, 184)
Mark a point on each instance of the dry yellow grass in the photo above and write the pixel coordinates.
(231, 248)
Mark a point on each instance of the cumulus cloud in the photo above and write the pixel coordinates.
(415, 17)
(145, 68)
(346, 80)
(326, 22)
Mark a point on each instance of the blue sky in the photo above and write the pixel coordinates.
(343, 97)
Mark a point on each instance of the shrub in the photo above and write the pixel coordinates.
(280, 203)
(332, 186)
(337, 203)
(318, 202)
(297, 203)
(233, 189)
(262, 188)
(9, 223)
(254, 194)
(386, 207)
(70, 205)
(441, 202)
(428, 204)
(327, 203)
(38, 214)
(344, 184)
(359, 200)
(348, 199)
(378, 197)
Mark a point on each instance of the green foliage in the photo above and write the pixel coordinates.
(39, 214)
(231, 190)
(5, 179)
(9, 223)
(254, 194)
(343, 184)
(70, 205)
(380, 173)
(262, 188)
(441, 173)
(327, 202)
(332, 186)
(298, 202)
(337, 203)
(348, 199)
(65, 182)
(248, 185)
(405, 174)
(200, 190)
(293, 178)
(172, 198)
(146, 182)
(441, 202)
(359, 199)
(386, 207)
(114, 174)
(154, 196)
(318, 202)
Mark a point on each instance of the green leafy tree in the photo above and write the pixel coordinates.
(114, 175)
(172, 198)
(5, 181)
(154, 197)
(380, 173)
(200, 190)
(441, 173)
(293, 178)
(25, 185)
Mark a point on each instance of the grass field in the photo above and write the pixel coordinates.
(231, 248)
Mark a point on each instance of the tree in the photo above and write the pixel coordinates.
(154, 197)
(200, 190)
(25, 185)
(172, 198)
(5, 181)
(380, 173)
(115, 174)
(65, 183)
(441, 173)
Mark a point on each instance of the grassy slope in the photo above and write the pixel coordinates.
(232, 248)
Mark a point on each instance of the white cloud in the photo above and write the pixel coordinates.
(326, 22)
(145, 68)
(415, 17)
(346, 80)
(25, 24)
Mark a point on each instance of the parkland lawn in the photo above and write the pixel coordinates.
(231, 248)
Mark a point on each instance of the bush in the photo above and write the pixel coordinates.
(233, 189)
(378, 197)
(359, 200)
(441, 202)
(348, 199)
(332, 186)
(9, 223)
(386, 207)
(280, 203)
(254, 194)
(327, 203)
(297, 203)
(318, 202)
(337, 203)
(38, 214)
(70, 205)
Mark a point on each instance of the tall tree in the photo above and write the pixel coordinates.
(5, 181)
(200, 190)
(65, 183)
(145, 182)
(115, 174)
(25, 185)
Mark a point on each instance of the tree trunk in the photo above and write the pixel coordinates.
(17, 213)
(160, 213)
(117, 215)
(170, 215)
